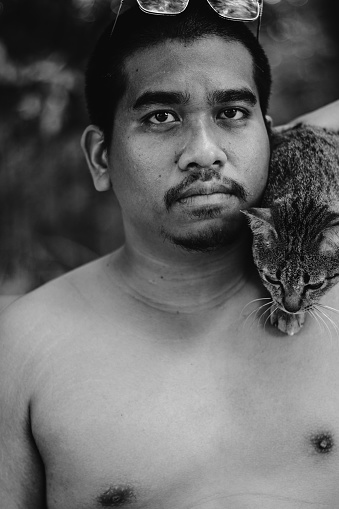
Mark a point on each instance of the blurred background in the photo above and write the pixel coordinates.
(51, 218)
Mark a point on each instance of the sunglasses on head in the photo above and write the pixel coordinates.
(236, 10)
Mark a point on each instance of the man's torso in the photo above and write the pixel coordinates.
(211, 411)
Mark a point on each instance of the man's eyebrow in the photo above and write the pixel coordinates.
(232, 95)
(168, 98)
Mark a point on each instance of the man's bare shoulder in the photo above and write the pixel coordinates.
(45, 302)
(37, 331)
(33, 322)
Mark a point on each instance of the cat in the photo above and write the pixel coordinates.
(296, 229)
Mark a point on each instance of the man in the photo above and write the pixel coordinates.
(136, 381)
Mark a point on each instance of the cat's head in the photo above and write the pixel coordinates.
(297, 269)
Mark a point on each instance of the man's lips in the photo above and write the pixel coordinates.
(195, 189)
(204, 190)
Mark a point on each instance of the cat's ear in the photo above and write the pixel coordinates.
(280, 135)
(329, 243)
(278, 138)
(261, 222)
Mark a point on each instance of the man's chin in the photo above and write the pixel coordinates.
(207, 240)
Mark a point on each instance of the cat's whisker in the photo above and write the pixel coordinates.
(321, 313)
(255, 300)
(328, 307)
(317, 312)
(316, 319)
(264, 312)
(272, 303)
(265, 305)
(332, 322)
(269, 316)
(334, 325)
(255, 311)
(260, 318)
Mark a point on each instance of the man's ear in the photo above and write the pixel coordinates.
(92, 144)
(268, 122)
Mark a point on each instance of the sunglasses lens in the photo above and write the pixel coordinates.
(243, 10)
(163, 6)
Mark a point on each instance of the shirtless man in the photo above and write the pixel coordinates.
(135, 381)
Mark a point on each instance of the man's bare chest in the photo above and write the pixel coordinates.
(170, 428)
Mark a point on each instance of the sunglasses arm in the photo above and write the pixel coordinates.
(261, 6)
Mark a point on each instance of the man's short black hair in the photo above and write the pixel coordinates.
(106, 80)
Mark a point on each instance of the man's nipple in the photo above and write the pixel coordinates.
(323, 443)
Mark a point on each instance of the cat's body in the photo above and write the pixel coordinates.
(296, 232)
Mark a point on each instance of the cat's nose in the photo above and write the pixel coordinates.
(292, 301)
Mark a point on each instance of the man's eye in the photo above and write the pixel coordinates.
(162, 117)
(233, 114)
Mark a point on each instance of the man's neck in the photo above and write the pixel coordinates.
(186, 282)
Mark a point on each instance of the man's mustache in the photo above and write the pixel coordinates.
(203, 175)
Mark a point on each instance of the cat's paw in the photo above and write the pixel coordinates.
(288, 323)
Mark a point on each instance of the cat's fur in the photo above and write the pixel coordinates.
(296, 232)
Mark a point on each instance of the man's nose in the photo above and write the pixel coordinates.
(202, 148)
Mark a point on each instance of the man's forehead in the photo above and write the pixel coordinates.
(208, 64)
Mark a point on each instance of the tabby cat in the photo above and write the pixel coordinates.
(296, 232)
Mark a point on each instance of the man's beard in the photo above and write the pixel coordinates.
(209, 239)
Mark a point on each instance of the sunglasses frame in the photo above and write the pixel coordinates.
(257, 18)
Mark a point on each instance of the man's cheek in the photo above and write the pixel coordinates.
(256, 183)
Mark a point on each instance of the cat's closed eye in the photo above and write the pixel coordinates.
(271, 280)
(332, 277)
(314, 286)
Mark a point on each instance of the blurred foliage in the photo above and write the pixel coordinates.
(51, 219)
(301, 39)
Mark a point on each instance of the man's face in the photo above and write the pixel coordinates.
(190, 148)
